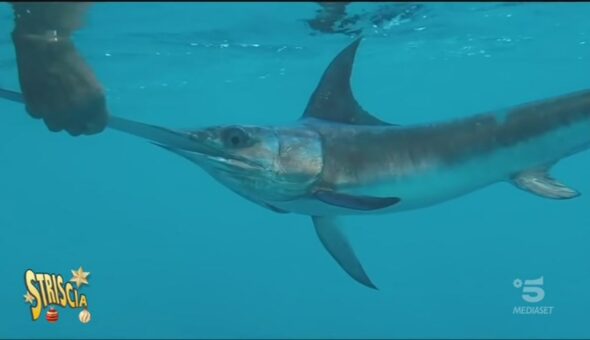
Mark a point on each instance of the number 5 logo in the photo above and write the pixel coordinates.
(532, 291)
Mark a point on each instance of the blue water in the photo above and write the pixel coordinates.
(174, 254)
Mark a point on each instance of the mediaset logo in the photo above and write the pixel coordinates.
(533, 293)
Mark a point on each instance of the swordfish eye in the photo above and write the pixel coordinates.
(235, 137)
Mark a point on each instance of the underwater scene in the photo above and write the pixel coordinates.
(295, 170)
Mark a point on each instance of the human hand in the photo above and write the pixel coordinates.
(58, 86)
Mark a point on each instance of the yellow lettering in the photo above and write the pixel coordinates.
(30, 282)
(83, 302)
(71, 301)
(49, 289)
(62, 293)
(41, 280)
(55, 294)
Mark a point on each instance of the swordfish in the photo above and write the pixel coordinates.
(338, 159)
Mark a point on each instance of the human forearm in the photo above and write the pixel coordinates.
(57, 84)
(40, 17)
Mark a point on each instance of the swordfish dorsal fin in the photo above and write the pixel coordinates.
(333, 100)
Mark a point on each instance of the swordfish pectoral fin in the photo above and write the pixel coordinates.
(540, 183)
(334, 240)
(355, 202)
